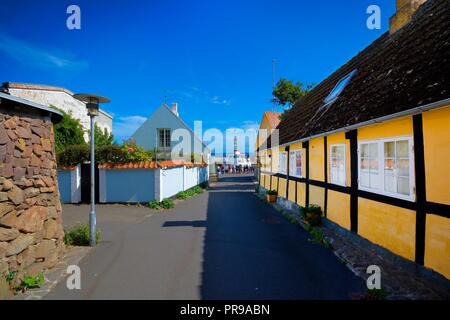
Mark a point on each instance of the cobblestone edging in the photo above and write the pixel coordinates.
(402, 279)
(52, 277)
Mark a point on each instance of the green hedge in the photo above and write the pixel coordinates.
(114, 153)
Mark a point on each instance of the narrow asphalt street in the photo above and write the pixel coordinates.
(223, 244)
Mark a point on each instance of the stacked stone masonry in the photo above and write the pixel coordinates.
(31, 232)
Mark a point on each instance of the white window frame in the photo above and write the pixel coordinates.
(164, 138)
(381, 158)
(345, 163)
(285, 163)
(292, 174)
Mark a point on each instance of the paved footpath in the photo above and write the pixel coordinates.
(223, 244)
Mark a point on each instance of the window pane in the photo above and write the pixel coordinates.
(292, 163)
(364, 164)
(389, 164)
(373, 151)
(389, 181)
(403, 167)
(364, 179)
(298, 163)
(402, 149)
(389, 149)
(374, 165)
(374, 180)
(341, 176)
(365, 150)
(167, 132)
(403, 185)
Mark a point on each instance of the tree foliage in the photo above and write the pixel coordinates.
(68, 132)
(103, 137)
(287, 92)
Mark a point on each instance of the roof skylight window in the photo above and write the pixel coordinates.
(339, 87)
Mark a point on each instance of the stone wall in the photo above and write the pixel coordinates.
(31, 232)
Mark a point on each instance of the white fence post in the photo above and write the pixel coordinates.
(75, 185)
(159, 185)
(184, 178)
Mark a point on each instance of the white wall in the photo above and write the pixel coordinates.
(144, 185)
(66, 102)
(69, 184)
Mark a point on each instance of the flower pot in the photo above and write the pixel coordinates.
(272, 198)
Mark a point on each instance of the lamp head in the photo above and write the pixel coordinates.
(92, 102)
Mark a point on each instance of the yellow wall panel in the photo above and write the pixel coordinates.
(391, 227)
(339, 138)
(301, 195)
(267, 182)
(292, 191)
(317, 196)
(316, 159)
(437, 244)
(338, 208)
(274, 183)
(282, 187)
(436, 134)
(388, 129)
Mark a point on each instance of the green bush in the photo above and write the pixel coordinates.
(110, 154)
(30, 282)
(102, 137)
(113, 153)
(311, 214)
(68, 132)
(134, 153)
(272, 193)
(73, 155)
(79, 236)
(154, 205)
(183, 195)
(167, 203)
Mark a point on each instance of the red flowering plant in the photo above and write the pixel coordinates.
(134, 153)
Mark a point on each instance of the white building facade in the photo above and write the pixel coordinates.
(166, 132)
(60, 98)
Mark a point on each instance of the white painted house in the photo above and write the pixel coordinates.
(165, 131)
(61, 98)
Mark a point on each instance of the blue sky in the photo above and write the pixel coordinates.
(212, 57)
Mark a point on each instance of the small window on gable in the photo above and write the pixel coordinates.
(340, 86)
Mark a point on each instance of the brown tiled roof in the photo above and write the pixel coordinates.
(69, 168)
(397, 72)
(273, 117)
(150, 165)
(135, 165)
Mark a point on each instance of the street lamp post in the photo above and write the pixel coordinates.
(92, 105)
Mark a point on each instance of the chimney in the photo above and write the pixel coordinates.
(175, 108)
(404, 13)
